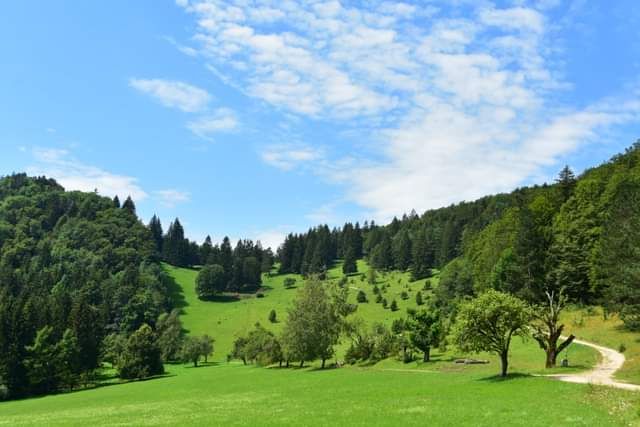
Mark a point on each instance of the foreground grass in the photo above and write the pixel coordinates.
(230, 394)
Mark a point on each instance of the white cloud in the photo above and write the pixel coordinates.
(173, 94)
(287, 157)
(171, 197)
(221, 120)
(457, 107)
(75, 175)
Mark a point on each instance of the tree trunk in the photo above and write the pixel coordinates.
(244, 361)
(504, 361)
(302, 363)
(427, 354)
(280, 363)
(195, 363)
(287, 363)
(551, 358)
(322, 363)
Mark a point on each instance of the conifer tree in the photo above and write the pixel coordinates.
(129, 206)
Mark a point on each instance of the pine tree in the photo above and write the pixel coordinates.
(116, 202)
(156, 232)
(566, 182)
(129, 206)
(350, 266)
(423, 257)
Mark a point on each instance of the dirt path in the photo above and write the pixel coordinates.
(602, 374)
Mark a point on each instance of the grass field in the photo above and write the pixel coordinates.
(232, 394)
(388, 393)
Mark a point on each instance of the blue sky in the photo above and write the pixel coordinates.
(254, 118)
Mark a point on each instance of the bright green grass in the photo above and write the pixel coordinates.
(388, 393)
(231, 394)
(226, 320)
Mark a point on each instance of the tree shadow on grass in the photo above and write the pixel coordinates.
(175, 293)
(509, 377)
(203, 365)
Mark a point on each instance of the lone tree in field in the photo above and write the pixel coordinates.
(211, 281)
(141, 357)
(313, 325)
(425, 331)
(547, 329)
(489, 322)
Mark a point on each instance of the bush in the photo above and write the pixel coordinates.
(289, 282)
(622, 348)
(384, 303)
(427, 285)
(419, 298)
(378, 298)
(272, 316)
(394, 305)
(404, 295)
(362, 297)
(259, 295)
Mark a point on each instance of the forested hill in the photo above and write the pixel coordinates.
(581, 234)
(74, 267)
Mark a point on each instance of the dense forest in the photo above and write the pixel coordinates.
(580, 234)
(81, 281)
(81, 284)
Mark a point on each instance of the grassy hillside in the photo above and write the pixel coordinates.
(388, 393)
(589, 324)
(231, 394)
(228, 319)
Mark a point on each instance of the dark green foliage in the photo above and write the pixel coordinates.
(155, 227)
(404, 295)
(361, 297)
(394, 306)
(129, 206)
(78, 264)
(373, 344)
(272, 316)
(261, 347)
(211, 281)
(419, 300)
(349, 265)
(141, 357)
(289, 282)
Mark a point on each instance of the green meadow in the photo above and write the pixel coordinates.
(390, 392)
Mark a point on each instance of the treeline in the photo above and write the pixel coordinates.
(241, 266)
(580, 234)
(74, 268)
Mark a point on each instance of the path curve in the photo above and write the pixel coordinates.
(602, 374)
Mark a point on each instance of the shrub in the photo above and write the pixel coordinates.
(384, 303)
(427, 285)
(289, 282)
(272, 316)
(394, 305)
(404, 295)
(419, 298)
(259, 295)
(362, 297)
(378, 298)
(622, 348)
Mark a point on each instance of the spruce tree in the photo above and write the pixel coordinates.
(349, 266)
(129, 206)
(156, 232)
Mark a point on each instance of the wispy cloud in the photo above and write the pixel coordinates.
(461, 99)
(290, 156)
(75, 175)
(174, 94)
(221, 120)
(171, 197)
